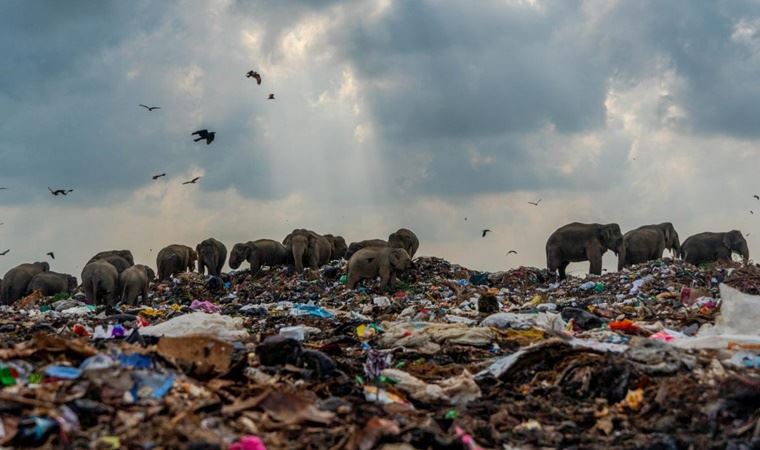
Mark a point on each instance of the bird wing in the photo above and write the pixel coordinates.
(51, 191)
(196, 179)
(258, 78)
(210, 138)
(155, 107)
(145, 106)
(200, 132)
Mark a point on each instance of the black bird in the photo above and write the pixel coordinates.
(150, 108)
(5, 252)
(192, 181)
(271, 97)
(3, 188)
(58, 192)
(204, 134)
(757, 197)
(751, 212)
(535, 203)
(255, 75)
(511, 252)
(156, 177)
(485, 232)
(465, 219)
(51, 255)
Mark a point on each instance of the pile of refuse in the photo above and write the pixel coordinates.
(662, 355)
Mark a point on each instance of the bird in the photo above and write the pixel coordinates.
(747, 235)
(255, 75)
(511, 252)
(5, 252)
(465, 219)
(757, 197)
(51, 255)
(536, 202)
(751, 212)
(204, 134)
(192, 181)
(3, 188)
(150, 108)
(271, 97)
(486, 231)
(58, 192)
(156, 177)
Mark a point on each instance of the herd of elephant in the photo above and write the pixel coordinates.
(112, 276)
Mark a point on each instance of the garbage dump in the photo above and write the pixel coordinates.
(662, 355)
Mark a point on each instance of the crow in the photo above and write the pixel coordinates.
(751, 212)
(51, 255)
(271, 97)
(511, 251)
(486, 231)
(3, 188)
(5, 252)
(535, 203)
(204, 134)
(255, 75)
(58, 192)
(150, 108)
(156, 177)
(192, 181)
(757, 197)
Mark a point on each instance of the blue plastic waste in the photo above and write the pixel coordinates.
(300, 309)
(135, 360)
(63, 372)
(151, 385)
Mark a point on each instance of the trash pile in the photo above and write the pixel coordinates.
(661, 355)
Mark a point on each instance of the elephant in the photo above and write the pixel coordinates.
(211, 255)
(262, 252)
(134, 282)
(307, 247)
(647, 243)
(406, 239)
(356, 246)
(175, 258)
(51, 283)
(126, 254)
(373, 261)
(337, 245)
(710, 247)
(100, 281)
(16, 281)
(121, 264)
(576, 242)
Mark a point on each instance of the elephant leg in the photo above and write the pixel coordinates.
(353, 279)
(385, 276)
(595, 259)
(562, 267)
(392, 280)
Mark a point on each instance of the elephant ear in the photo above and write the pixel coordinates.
(395, 258)
(668, 230)
(605, 234)
(727, 239)
(248, 252)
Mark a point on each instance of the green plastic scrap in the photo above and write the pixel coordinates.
(452, 414)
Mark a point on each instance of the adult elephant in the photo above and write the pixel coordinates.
(262, 252)
(583, 242)
(211, 255)
(307, 249)
(337, 245)
(406, 239)
(371, 262)
(100, 281)
(134, 282)
(126, 254)
(711, 247)
(647, 243)
(16, 281)
(51, 283)
(175, 258)
(356, 246)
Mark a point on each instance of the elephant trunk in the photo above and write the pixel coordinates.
(621, 256)
(298, 251)
(745, 253)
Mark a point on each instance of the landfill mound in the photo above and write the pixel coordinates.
(451, 358)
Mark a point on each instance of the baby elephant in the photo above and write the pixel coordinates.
(51, 283)
(373, 261)
(133, 282)
(100, 280)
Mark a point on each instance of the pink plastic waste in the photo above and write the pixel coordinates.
(205, 306)
(248, 443)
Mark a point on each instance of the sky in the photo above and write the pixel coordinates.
(445, 117)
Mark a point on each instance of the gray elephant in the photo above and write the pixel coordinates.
(134, 282)
(307, 248)
(337, 245)
(126, 254)
(647, 243)
(356, 246)
(406, 239)
(211, 255)
(711, 247)
(16, 281)
(262, 252)
(371, 262)
(100, 281)
(51, 283)
(175, 258)
(121, 264)
(577, 242)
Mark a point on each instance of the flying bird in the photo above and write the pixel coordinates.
(751, 212)
(204, 134)
(486, 231)
(535, 203)
(757, 197)
(465, 219)
(5, 252)
(271, 97)
(156, 177)
(3, 188)
(255, 75)
(58, 192)
(150, 108)
(51, 255)
(511, 252)
(192, 181)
